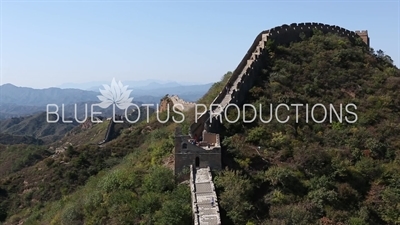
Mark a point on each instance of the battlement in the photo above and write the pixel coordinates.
(362, 32)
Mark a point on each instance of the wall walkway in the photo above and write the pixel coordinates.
(203, 191)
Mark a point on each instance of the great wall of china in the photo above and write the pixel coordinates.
(200, 158)
(199, 152)
(244, 75)
(110, 130)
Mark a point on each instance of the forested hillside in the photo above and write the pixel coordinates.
(317, 173)
(126, 181)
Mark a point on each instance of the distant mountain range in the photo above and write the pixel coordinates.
(141, 84)
(35, 129)
(34, 126)
(21, 101)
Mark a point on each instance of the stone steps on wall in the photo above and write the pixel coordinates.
(202, 188)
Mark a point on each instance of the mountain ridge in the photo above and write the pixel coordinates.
(22, 101)
(131, 83)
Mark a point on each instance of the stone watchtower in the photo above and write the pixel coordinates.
(204, 152)
(364, 35)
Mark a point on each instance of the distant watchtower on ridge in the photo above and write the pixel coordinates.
(364, 35)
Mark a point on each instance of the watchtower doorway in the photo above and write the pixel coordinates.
(197, 163)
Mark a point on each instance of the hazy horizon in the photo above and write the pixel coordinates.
(51, 43)
(136, 84)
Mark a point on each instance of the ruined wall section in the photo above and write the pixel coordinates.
(164, 102)
(186, 105)
(174, 100)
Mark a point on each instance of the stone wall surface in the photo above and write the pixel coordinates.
(186, 153)
(110, 129)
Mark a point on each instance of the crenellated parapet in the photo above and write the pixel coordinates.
(288, 33)
(297, 28)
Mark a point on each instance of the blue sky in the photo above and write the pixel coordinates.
(48, 43)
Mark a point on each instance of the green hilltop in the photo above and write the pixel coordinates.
(292, 173)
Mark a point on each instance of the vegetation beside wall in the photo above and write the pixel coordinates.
(317, 173)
